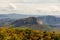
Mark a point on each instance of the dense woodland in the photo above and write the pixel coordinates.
(12, 33)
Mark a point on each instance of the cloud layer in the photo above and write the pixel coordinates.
(42, 7)
(32, 1)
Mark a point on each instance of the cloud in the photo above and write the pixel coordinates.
(35, 1)
(30, 6)
(6, 8)
(38, 8)
(49, 8)
(12, 6)
(31, 1)
(4, 1)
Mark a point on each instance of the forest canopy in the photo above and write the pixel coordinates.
(12, 33)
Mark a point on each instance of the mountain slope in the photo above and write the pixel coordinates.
(25, 21)
(31, 23)
(50, 20)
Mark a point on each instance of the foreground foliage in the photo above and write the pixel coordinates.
(26, 34)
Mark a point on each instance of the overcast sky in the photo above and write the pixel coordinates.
(33, 7)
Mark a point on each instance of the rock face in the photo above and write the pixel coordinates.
(25, 21)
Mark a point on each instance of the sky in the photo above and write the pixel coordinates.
(32, 7)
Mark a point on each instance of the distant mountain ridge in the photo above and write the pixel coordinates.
(25, 21)
(47, 20)
(51, 20)
(16, 16)
(32, 23)
(13, 16)
(9, 18)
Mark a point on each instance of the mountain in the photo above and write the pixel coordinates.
(13, 16)
(9, 18)
(6, 21)
(32, 23)
(18, 19)
(16, 16)
(50, 20)
(25, 21)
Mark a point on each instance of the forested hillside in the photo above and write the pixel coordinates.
(27, 34)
